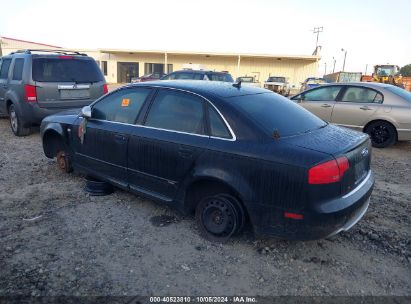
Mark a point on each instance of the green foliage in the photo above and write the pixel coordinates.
(406, 70)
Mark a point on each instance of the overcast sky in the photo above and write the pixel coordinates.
(371, 31)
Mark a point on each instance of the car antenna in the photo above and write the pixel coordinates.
(237, 84)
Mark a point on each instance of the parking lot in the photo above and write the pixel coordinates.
(57, 240)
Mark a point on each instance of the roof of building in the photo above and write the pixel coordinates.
(26, 41)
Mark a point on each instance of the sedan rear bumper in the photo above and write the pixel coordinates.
(328, 219)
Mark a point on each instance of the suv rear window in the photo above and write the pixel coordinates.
(65, 70)
(277, 114)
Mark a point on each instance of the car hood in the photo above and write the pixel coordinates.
(330, 139)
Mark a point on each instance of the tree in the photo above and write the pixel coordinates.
(406, 70)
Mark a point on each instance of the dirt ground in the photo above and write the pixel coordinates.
(57, 240)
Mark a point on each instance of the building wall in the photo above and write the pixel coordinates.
(296, 70)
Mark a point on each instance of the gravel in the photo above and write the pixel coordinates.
(57, 240)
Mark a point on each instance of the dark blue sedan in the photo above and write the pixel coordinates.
(232, 155)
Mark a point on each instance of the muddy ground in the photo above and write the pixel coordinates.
(57, 240)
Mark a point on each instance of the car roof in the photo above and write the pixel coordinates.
(365, 84)
(205, 88)
(199, 71)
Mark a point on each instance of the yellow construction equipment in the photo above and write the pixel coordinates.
(388, 73)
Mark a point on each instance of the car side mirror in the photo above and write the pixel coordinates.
(86, 112)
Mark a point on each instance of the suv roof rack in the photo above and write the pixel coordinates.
(58, 51)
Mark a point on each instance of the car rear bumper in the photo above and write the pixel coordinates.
(34, 114)
(328, 219)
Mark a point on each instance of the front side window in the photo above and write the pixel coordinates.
(18, 69)
(122, 106)
(177, 111)
(357, 94)
(218, 127)
(4, 71)
(322, 94)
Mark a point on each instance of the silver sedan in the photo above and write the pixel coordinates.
(381, 110)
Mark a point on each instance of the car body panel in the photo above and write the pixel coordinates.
(269, 175)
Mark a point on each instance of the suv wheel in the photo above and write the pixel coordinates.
(219, 217)
(16, 123)
(382, 134)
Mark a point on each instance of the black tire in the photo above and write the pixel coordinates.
(382, 133)
(16, 123)
(63, 161)
(219, 217)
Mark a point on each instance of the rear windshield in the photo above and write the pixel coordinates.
(276, 79)
(400, 92)
(65, 70)
(277, 114)
(220, 77)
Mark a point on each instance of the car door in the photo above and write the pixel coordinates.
(319, 101)
(355, 105)
(162, 152)
(4, 83)
(103, 151)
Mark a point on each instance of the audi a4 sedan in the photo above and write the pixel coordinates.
(381, 110)
(232, 155)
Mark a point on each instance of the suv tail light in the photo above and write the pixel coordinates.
(66, 57)
(30, 93)
(329, 172)
(105, 88)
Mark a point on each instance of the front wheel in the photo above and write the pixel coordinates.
(219, 217)
(16, 123)
(383, 134)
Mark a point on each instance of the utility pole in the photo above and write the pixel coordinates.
(318, 30)
(366, 68)
(345, 56)
(335, 60)
(325, 68)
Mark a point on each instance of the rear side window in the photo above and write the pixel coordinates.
(18, 69)
(322, 94)
(122, 106)
(66, 70)
(220, 77)
(357, 94)
(217, 126)
(4, 71)
(276, 114)
(177, 111)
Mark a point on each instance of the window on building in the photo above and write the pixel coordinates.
(18, 69)
(169, 68)
(153, 68)
(4, 71)
(104, 67)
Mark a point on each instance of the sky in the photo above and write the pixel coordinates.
(372, 32)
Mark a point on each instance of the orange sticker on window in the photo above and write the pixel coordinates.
(125, 102)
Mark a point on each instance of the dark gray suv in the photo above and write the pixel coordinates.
(37, 83)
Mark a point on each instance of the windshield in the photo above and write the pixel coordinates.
(316, 81)
(276, 79)
(274, 113)
(386, 71)
(220, 77)
(245, 79)
(400, 92)
(66, 70)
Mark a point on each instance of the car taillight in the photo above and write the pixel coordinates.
(105, 88)
(30, 93)
(329, 172)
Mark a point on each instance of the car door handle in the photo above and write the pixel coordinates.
(365, 108)
(326, 105)
(185, 152)
(120, 138)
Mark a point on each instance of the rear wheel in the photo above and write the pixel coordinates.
(16, 122)
(219, 217)
(63, 161)
(383, 134)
